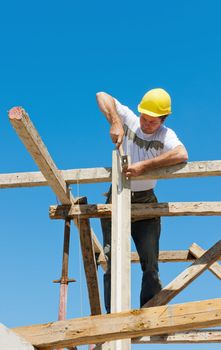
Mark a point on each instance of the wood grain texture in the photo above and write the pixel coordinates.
(186, 277)
(35, 146)
(189, 337)
(135, 323)
(120, 246)
(103, 174)
(197, 251)
(138, 211)
(37, 149)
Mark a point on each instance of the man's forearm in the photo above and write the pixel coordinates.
(107, 107)
(175, 156)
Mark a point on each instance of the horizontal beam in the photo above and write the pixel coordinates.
(128, 324)
(72, 176)
(138, 211)
(96, 175)
(189, 337)
(164, 256)
(186, 170)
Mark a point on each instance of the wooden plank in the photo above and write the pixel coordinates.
(168, 256)
(120, 246)
(98, 249)
(197, 251)
(127, 324)
(138, 211)
(204, 336)
(71, 176)
(165, 256)
(32, 141)
(35, 146)
(9, 340)
(189, 337)
(186, 277)
(96, 175)
(90, 265)
(186, 170)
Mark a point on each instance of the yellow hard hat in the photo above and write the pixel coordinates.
(155, 103)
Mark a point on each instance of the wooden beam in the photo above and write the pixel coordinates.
(96, 175)
(9, 340)
(128, 324)
(186, 277)
(120, 246)
(165, 256)
(34, 144)
(71, 176)
(185, 170)
(197, 251)
(138, 211)
(98, 249)
(89, 265)
(203, 336)
(189, 337)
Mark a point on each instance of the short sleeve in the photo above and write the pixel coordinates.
(171, 140)
(124, 112)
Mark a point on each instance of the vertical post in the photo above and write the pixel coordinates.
(64, 275)
(120, 246)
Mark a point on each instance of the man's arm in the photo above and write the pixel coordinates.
(107, 106)
(174, 156)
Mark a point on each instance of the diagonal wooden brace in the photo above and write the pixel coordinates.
(197, 251)
(186, 277)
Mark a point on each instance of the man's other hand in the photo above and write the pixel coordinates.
(135, 169)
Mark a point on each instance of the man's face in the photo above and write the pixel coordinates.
(149, 124)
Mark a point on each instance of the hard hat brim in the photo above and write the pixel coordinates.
(150, 113)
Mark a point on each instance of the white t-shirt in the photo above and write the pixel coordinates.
(140, 146)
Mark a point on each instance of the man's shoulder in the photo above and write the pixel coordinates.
(164, 131)
(125, 112)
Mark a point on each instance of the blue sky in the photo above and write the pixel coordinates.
(54, 57)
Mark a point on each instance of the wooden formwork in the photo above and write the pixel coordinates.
(180, 322)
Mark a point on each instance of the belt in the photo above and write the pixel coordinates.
(141, 193)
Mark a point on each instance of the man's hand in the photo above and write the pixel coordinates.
(117, 134)
(107, 106)
(172, 157)
(135, 169)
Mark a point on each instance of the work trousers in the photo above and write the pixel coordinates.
(146, 235)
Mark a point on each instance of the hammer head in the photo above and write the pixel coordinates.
(124, 162)
(123, 158)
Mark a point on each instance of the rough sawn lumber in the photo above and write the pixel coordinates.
(128, 324)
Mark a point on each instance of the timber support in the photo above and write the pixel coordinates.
(181, 323)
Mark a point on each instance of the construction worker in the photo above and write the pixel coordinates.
(151, 145)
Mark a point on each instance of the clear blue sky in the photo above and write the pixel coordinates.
(55, 55)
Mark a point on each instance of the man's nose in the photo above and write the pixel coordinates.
(147, 123)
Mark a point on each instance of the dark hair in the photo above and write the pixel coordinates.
(163, 117)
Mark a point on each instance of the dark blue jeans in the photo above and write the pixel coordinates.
(146, 235)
